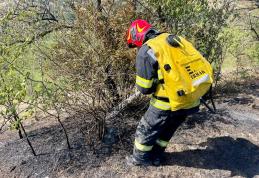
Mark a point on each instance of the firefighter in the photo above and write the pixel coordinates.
(159, 123)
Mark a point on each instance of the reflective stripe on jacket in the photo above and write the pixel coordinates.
(149, 76)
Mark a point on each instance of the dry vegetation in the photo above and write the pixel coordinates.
(65, 67)
(207, 145)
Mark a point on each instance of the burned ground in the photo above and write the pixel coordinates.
(224, 144)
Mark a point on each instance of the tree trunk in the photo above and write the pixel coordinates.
(99, 5)
(134, 3)
(28, 141)
(160, 14)
(111, 86)
(20, 133)
(65, 131)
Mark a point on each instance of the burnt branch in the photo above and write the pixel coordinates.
(252, 28)
(27, 139)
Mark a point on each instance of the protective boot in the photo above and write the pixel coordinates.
(158, 157)
(139, 158)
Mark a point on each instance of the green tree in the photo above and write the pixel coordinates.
(199, 21)
(25, 88)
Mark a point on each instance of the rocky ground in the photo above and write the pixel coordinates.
(225, 144)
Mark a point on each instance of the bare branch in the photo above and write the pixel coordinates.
(41, 35)
(252, 28)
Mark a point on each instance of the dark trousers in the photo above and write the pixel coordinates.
(155, 129)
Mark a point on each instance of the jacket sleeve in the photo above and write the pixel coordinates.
(146, 69)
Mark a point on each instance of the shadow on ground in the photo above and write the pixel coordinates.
(239, 156)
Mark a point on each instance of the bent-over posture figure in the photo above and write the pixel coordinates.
(167, 68)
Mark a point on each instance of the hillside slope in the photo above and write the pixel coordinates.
(225, 144)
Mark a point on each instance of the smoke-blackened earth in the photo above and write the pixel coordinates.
(225, 144)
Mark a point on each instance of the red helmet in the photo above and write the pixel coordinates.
(136, 33)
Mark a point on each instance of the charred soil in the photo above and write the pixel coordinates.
(224, 144)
